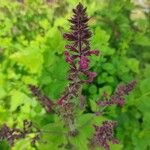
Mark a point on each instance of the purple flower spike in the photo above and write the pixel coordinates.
(103, 135)
(77, 56)
(46, 102)
(77, 53)
(118, 96)
(79, 47)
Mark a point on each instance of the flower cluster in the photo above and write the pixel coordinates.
(12, 134)
(79, 48)
(103, 135)
(118, 96)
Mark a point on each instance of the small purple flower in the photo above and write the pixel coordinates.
(92, 52)
(68, 57)
(84, 63)
(120, 102)
(105, 103)
(91, 76)
(117, 99)
(71, 48)
(61, 100)
(69, 37)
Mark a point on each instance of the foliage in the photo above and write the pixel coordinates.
(31, 53)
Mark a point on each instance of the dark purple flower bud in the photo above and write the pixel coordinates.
(86, 35)
(125, 89)
(84, 63)
(98, 113)
(95, 52)
(115, 141)
(71, 48)
(61, 100)
(69, 37)
(120, 101)
(121, 89)
(105, 103)
(68, 57)
(91, 76)
(80, 8)
(130, 86)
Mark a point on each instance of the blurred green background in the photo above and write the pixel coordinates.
(31, 52)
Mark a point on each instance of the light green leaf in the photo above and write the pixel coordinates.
(53, 136)
(133, 64)
(23, 144)
(31, 58)
(19, 98)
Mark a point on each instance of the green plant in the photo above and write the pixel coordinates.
(71, 106)
(31, 31)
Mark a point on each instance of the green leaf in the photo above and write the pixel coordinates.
(116, 147)
(4, 115)
(44, 24)
(93, 105)
(144, 86)
(142, 40)
(23, 144)
(4, 145)
(85, 129)
(54, 136)
(107, 89)
(93, 89)
(141, 140)
(103, 78)
(146, 122)
(133, 64)
(2, 92)
(109, 67)
(19, 98)
(31, 58)
(100, 35)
